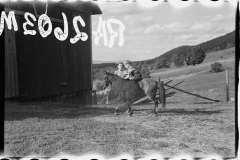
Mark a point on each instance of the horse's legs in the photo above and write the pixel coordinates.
(162, 97)
(156, 106)
(154, 100)
(130, 111)
(116, 111)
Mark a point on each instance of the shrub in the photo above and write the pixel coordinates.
(229, 45)
(157, 63)
(196, 56)
(150, 68)
(178, 61)
(217, 67)
(162, 63)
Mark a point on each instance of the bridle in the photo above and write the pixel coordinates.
(107, 81)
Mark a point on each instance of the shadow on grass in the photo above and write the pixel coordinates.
(21, 111)
(170, 94)
(139, 110)
(167, 95)
(179, 111)
(204, 102)
(189, 112)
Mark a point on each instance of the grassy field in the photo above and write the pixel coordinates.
(226, 57)
(188, 125)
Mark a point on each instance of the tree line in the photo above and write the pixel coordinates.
(195, 56)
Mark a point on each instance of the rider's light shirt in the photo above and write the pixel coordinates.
(121, 73)
(130, 69)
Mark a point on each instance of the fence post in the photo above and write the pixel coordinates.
(107, 100)
(227, 85)
(162, 97)
(94, 97)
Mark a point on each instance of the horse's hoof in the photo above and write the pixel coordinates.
(155, 111)
(130, 113)
(116, 112)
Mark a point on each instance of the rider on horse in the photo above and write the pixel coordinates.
(121, 72)
(132, 73)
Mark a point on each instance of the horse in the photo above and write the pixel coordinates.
(100, 94)
(104, 92)
(127, 91)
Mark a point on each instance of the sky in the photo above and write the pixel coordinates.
(156, 27)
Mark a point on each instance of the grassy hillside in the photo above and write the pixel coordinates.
(104, 65)
(100, 62)
(220, 42)
(225, 57)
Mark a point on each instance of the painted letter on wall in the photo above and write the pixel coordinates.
(80, 35)
(26, 31)
(42, 21)
(59, 34)
(11, 18)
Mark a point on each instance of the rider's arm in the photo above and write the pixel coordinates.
(136, 74)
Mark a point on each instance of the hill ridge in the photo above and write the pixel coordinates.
(220, 42)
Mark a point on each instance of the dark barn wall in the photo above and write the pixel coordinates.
(11, 71)
(51, 69)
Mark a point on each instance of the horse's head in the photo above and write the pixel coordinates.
(108, 79)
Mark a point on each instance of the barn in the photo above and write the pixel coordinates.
(47, 69)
